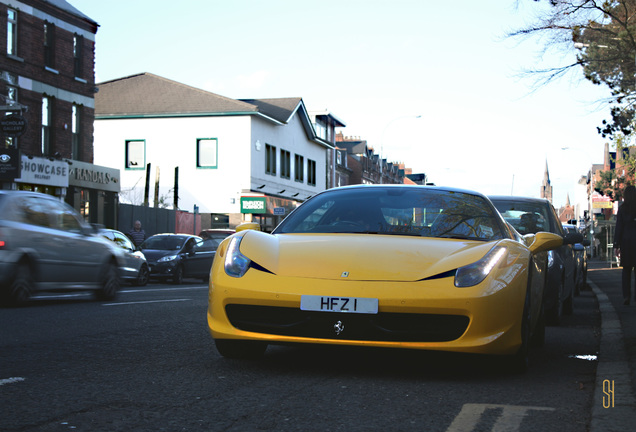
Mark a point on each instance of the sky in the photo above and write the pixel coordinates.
(435, 85)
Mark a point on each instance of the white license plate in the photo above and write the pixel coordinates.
(339, 304)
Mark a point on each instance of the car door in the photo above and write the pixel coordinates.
(36, 235)
(83, 256)
(198, 261)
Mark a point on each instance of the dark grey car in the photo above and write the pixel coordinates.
(45, 245)
(529, 216)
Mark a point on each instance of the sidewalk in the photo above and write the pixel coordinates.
(614, 406)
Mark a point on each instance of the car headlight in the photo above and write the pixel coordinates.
(476, 272)
(550, 258)
(236, 264)
(167, 258)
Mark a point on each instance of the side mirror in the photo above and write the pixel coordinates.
(543, 241)
(248, 226)
(573, 238)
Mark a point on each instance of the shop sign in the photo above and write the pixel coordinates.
(89, 176)
(279, 211)
(9, 164)
(13, 125)
(253, 205)
(42, 171)
(602, 202)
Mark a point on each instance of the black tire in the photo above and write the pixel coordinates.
(538, 336)
(568, 305)
(177, 276)
(19, 290)
(554, 314)
(110, 283)
(240, 349)
(143, 276)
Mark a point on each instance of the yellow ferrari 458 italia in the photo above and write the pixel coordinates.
(394, 266)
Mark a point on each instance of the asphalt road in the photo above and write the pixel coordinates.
(146, 362)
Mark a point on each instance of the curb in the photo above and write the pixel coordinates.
(614, 403)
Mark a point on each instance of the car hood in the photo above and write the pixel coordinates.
(360, 256)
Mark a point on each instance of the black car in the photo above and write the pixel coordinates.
(179, 256)
(529, 216)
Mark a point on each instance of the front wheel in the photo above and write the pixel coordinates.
(110, 283)
(20, 288)
(143, 276)
(177, 276)
(240, 349)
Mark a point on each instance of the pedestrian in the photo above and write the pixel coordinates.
(137, 235)
(625, 239)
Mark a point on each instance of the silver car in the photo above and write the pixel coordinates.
(135, 268)
(45, 245)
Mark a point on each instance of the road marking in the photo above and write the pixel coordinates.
(144, 302)
(507, 420)
(198, 287)
(11, 380)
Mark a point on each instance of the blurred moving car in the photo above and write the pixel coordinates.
(179, 256)
(533, 215)
(45, 245)
(391, 266)
(135, 268)
(580, 255)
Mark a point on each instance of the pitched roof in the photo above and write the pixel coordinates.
(282, 109)
(147, 95)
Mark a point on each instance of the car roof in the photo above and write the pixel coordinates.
(404, 186)
(517, 199)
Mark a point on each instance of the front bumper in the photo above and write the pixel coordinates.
(432, 315)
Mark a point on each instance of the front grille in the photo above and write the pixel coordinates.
(386, 327)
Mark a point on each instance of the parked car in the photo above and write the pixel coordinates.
(45, 245)
(217, 234)
(135, 268)
(179, 256)
(391, 266)
(580, 254)
(533, 215)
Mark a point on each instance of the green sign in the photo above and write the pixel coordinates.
(253, 205)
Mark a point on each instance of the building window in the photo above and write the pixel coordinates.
(270, 159)
(76, 151)
(311, 172)
(299, 168)
(49, 44)
(321, 129)
(46, 126)
(285, 164)
(78, 43)
(12, 32)
(135, 154)
(207, 152)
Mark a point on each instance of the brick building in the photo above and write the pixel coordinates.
(47, 83)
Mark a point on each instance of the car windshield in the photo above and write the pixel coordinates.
(409, 211)
(164, 242)
(525, 217)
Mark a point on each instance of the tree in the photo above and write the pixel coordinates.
(603, 33)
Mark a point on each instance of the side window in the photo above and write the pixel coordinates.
(135, 154)
(34, 211)
(65, 218)
(207, 152)
(285, 164)
(123, 242)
